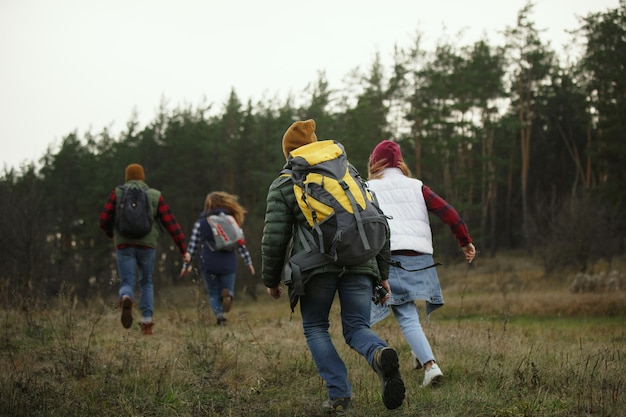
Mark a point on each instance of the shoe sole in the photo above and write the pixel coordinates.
(127, 313)
(435, 382)
(227, 300)
(393, 386)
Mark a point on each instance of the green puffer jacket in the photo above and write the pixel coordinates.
(278, 245)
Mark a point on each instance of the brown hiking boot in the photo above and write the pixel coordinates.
(146, 328)
(227, 300)
(127, 311)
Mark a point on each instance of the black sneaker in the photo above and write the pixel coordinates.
(336, 407)
(388, 369)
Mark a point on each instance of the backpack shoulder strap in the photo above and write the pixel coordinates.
(283, 177)
(357, 215)
(206, 231)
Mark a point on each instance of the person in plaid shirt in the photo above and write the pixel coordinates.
(218, 267)
(133, 254)
(408, 202)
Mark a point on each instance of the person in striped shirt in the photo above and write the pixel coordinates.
(218, 267)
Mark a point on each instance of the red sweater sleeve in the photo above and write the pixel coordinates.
(168, 220)
(107, 215)
(447, 214)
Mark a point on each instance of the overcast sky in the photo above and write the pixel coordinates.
(83, 65)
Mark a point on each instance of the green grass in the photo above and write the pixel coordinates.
(530, 349)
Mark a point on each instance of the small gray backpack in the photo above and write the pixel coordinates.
(226, 232)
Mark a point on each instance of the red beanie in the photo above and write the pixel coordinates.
(389, 151)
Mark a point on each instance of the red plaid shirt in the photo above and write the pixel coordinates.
(440, 208)
(164, 215)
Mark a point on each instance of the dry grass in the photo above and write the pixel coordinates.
(510, 342)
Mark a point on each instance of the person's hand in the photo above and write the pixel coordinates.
(275, 292)
(385, 285)
(184, 271)
(251, 268)
(187, 257)
(470, 252)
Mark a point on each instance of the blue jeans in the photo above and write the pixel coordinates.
(355, 297)
(407, 316)
(214, 283)
(129, 260)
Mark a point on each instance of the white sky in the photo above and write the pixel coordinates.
(85, 65)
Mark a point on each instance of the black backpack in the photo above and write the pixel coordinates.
(133, 218)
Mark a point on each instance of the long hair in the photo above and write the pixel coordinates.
(227, 202)
(375, 169)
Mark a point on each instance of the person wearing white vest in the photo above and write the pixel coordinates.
(407, 202)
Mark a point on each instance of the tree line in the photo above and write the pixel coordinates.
(529, 149)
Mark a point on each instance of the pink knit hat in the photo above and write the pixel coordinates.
(389, 151)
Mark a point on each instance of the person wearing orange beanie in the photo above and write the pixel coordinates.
(138, 253)
(320, 284)
(134, 172)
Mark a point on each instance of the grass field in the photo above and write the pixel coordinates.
(509, 341)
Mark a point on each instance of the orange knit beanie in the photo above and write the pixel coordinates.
(299, 133)
(134, 172)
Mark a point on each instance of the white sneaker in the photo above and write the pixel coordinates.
(433, 376)
(416, 362)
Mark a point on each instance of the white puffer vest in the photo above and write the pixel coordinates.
(401, 198)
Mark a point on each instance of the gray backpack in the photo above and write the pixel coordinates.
(226, 232)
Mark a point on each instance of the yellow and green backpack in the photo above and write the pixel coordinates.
(345, 225)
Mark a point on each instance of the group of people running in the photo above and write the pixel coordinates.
(406, 202)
